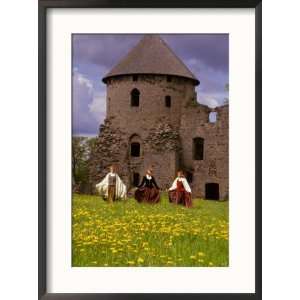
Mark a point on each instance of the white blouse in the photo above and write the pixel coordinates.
(184, 182)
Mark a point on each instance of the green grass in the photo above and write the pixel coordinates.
(131, 234)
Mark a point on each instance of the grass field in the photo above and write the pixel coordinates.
(131, 234)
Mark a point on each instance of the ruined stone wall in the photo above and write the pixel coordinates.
(165, 134)
(108, 150)
(159, 151)
(214, 166)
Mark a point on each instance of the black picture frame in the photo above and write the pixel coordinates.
(46, 4)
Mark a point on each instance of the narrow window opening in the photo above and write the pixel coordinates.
(135, 97)
(135, 77)
(198, 148)
(168, 101)
(169, 78)
(212, 117)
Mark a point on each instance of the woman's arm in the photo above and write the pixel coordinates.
(174, 185)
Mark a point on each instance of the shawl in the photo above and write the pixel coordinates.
(184, 182)
(102, 187)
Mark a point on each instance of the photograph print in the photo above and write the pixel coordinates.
(150, 150)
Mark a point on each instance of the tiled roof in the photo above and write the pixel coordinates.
(151, 56)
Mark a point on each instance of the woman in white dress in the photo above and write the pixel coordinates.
(112, 187)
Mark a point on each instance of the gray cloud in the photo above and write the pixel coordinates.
(86, 106)
(206, 55)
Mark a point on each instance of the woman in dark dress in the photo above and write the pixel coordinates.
(180, 191)
(148, 191)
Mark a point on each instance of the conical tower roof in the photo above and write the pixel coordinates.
(151, 56)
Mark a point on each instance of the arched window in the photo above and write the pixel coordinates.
(135, 146)
(135, 97)
(135, 149)
(168, 101)
(198, 148)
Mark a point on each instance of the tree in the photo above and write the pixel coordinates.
(81, 150)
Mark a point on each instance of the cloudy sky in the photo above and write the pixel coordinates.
(206, 55)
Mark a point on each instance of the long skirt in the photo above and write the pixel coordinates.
(180, 197)
(146, 194)
(111, 193)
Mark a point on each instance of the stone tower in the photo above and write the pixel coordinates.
(150, 96)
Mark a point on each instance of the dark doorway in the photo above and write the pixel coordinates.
(212, 191)
(136, 179)
(189, 177)
(135, 149)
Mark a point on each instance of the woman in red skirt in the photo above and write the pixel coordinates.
(148, 191)
(180, 191)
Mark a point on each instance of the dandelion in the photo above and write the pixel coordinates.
(140, 260)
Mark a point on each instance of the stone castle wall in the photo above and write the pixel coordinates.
(153, 89)
(214, 166)
(164, 133)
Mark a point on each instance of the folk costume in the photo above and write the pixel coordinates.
(180, 192)
(147, 191)
(112, 187)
